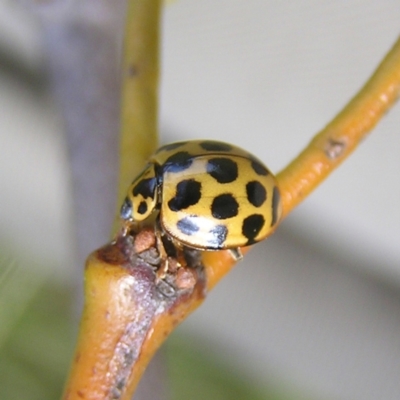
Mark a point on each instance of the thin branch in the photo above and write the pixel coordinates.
(139, 133)
(341, 136)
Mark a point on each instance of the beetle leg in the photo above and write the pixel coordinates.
(163, 268)
(236, 253)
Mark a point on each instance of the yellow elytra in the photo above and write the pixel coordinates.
(210, 195)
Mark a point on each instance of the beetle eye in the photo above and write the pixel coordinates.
(126, 209)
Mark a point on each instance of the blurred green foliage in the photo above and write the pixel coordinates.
(36, 332)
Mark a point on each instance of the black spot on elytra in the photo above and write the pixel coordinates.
(187, 226)
(251, 227)
(219, 233)
(224, 206)
(178, 162)
(223, 170)
(142, 209)
(188, 193)
(276, 199)
(259, 169)
(256, 193)
(211, 145)
(126, 209)
(146, 187)
(171, 146)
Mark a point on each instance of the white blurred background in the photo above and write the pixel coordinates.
(317, 307)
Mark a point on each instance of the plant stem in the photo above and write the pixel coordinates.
(331, 146)
(139, 137)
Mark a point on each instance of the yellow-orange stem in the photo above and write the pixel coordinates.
(218, 264)
(139, 134)
(126, 318)
(109, 309)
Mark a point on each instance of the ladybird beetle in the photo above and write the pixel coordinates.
(210, 195)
